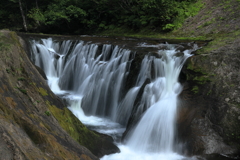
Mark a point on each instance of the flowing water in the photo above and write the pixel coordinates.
(92, 82)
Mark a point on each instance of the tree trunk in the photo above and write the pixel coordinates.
(38, 23)
(23, 16)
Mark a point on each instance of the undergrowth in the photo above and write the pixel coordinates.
(185, 10)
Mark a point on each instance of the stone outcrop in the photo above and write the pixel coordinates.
(209, 117)
(211, 114)
(34, 123)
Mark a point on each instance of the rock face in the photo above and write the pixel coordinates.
(34, 122)
(212, 87)
(209, 120)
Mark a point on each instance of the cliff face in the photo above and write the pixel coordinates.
(34, 122)
(210, 121)
(212, 101)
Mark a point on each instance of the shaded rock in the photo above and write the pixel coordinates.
(213, 80)
(105, 146)
(135, 116)
(41, 72)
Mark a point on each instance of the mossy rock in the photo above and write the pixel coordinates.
(42, 91)
(99, 144)
(26, 132)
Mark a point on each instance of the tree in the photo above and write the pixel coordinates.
(23, 15)
(81, 16)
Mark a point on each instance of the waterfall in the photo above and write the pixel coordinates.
(95, 79)
(155, 131)
(92, 78)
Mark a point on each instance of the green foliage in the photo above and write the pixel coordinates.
(63, 12)
(184, 10)
(75, 11)
(81, 16)
(36, 15)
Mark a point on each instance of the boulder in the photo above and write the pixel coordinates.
(212, 88)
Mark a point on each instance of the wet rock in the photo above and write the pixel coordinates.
(135, 116)
(106, 146)
(41, 72)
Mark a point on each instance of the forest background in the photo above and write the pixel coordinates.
(96, 16)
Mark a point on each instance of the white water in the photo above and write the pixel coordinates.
(156, 128)
(92, 86)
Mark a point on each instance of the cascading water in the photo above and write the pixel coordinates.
(92, 84)
(156, 127)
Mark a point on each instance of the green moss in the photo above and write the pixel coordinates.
(7, 112)
(5, 45)
(190, 66)
(207, 23)
(195, 89)
(11, 70)
(8, 70)
(74, 127)
(33, 132)
(21, 79)
(201, 79)
(219, 40)
(197, 74)
(42, 91)
(195, 69)
(47, 113)
(24, 91)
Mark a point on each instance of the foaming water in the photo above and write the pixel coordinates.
(127, 153)
(91, 83)
(156, 129)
